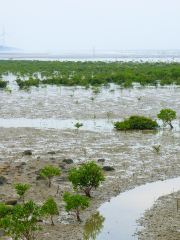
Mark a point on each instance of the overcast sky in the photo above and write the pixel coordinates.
(49, 25)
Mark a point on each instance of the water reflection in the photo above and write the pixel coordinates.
(93, 227)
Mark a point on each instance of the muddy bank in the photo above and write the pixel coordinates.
(161, 222)
(79, 103)
(130, 154)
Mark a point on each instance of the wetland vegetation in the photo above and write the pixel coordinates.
(127, 160)
(70, 73)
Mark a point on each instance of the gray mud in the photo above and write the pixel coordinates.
(131, 153)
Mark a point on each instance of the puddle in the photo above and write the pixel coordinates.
(93, 125)
(122, 211)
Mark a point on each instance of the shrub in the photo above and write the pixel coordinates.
(86, 178)
(4, 210)
(48, 172)
(3, 84)
(21, 189)
(50, 208)
(22, 223)
(78, 125)
(75, 203)
(136, 123)
(167, 115)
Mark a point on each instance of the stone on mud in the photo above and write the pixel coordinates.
(101, 160)
(68, 161)
(3, 180)
(108, 168)
(11, 202)
(27, 152)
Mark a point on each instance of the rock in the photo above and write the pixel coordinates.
(3, 181)
(51, 152)
(11, 202)
(108, 168)
(68, 161)
(101, 160)
(27, 152)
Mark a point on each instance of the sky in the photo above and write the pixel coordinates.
(66, 25)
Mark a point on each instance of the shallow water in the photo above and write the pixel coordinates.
(122, 211)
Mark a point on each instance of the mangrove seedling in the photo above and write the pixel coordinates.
(48, 172)
(21, 189)
(78, 125)
(22, 222)
(49, 208)
(167, 115)
(87, 177)
(8, 90)
(75, 203)
(156, 148)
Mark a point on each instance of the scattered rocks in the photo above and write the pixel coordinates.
(101, 160)
(68, 161)
(108, 168)
(11, 202)
(51, 152)
(27, 152)
(3, 181)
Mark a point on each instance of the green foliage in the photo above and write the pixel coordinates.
(75, 203)
(3, 84)
(167, 115)
(22, 223)
(96, 91)
(49, 208)
(4, 210)
(87, 177)
(156, 148)
(8, 90)
(21, 189)
(98, 73)
(28, 83)
(78, 125)
(48, 172)
(136, 123)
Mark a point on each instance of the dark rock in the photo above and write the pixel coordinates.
(101, 160)
(27, 152)
(3, 181)
(68, 161)
(108, 168)
(51, 153)
(11, 202)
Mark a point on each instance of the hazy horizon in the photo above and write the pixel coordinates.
(78, 25)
